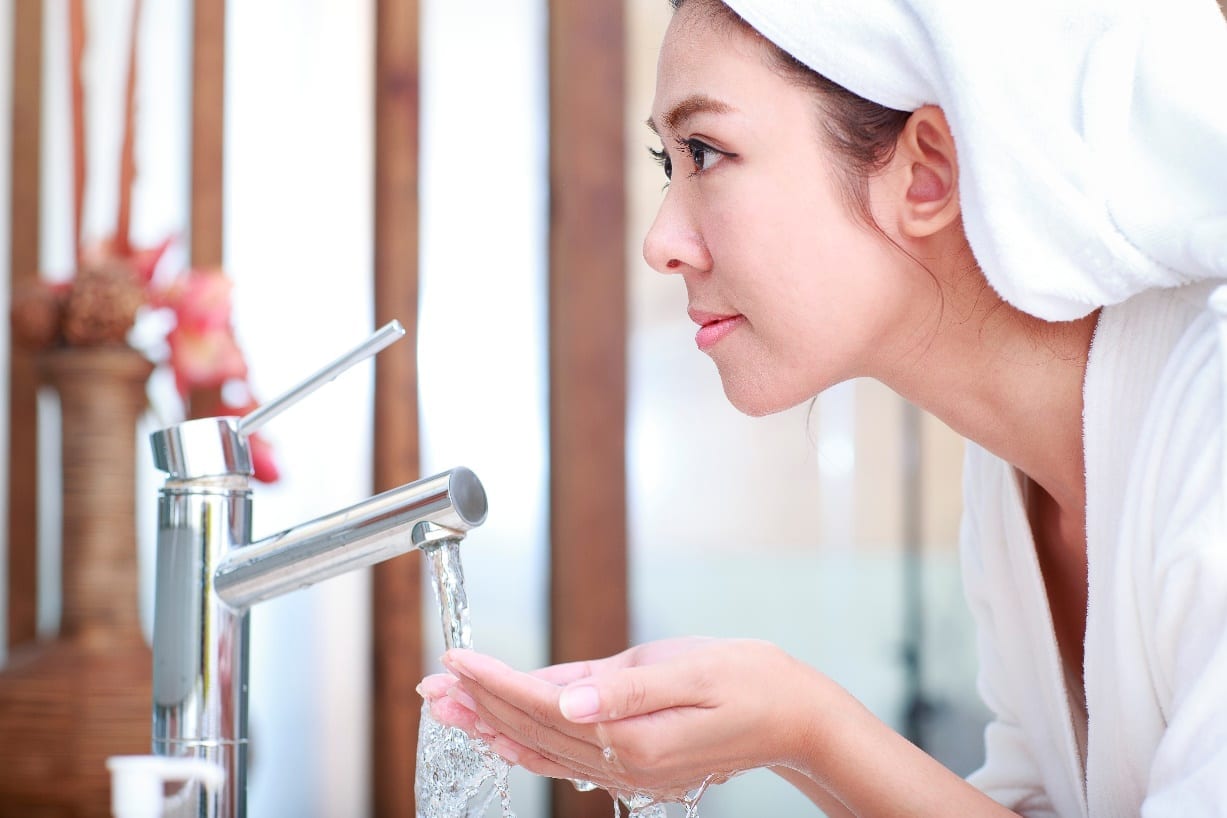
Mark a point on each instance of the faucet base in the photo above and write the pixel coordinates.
(230, 800)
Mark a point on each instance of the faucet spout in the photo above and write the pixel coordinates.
(385, 526)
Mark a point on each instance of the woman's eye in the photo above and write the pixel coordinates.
(704, 156)
(664, 161)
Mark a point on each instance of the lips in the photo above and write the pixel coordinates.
(713, 326)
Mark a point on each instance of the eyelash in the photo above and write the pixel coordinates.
(665, 163)
(691, 147)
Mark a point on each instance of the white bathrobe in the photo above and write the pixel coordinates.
(1155, 740)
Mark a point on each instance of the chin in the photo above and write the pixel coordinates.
(754, 397)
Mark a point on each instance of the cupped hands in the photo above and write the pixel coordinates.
(659, 718)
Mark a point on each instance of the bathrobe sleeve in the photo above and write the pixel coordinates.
(1187, 584)
(1011, 773)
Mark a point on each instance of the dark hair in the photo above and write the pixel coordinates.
(860, 132)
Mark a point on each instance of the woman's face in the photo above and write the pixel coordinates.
(791, 292)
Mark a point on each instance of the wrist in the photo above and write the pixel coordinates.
(822, 717)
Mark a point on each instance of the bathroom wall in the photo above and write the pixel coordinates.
(298, 228)
(482, 379)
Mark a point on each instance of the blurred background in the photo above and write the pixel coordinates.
(829, 529)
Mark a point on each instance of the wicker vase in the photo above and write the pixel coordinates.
(68, 704)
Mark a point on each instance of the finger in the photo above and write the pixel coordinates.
(563, 674)
(508, 750)
(457, 694)
(529, 703)
(451, 713)
(538, 764)
(517, 754)
(435, 685)
(525, 709)
(633, 691)
(506, 720)
(568, 672)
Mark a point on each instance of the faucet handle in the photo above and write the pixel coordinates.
(218, 447)
(383, 337)
(206, 447)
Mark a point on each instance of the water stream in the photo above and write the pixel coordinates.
(460, 777)
(457, 777)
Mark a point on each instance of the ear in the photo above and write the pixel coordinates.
(930, 173)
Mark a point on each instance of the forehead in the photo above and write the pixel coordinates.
(712, 57)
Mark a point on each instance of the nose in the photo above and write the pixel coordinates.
(672, 244)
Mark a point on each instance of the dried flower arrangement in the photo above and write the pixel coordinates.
(116, 284)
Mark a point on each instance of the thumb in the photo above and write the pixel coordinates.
(633, 691)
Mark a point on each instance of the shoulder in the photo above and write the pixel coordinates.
(1175, 473)
(1157, 368)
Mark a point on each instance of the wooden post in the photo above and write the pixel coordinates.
(396, 584)
(208, 131)
(587, 331)
(23, 268)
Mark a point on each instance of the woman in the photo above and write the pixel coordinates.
(1017, 219)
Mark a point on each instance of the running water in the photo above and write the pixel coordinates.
(457, 777)
(460, 777)
(642, 805)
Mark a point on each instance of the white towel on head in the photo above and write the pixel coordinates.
(1091, 134)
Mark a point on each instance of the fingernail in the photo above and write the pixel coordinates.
(582, 702)
(483, 728)
(460, 696)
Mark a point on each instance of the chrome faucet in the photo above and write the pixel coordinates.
(209, 572)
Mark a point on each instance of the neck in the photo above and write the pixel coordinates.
(1004, 379)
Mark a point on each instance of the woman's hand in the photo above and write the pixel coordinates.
(663, 717)
(658, 718)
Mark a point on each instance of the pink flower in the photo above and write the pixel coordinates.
(203, 353)
(200, 299)
(145, 260)
(204, 357)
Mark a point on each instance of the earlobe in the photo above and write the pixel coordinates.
(926, 151)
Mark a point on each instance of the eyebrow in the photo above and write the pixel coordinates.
(690, 106)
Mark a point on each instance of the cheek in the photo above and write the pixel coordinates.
(787, 219)
(818, 287)
(819, 312)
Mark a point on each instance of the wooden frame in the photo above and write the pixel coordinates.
(587, 332)
(208, 131)
(396, 584)
(25, 226)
